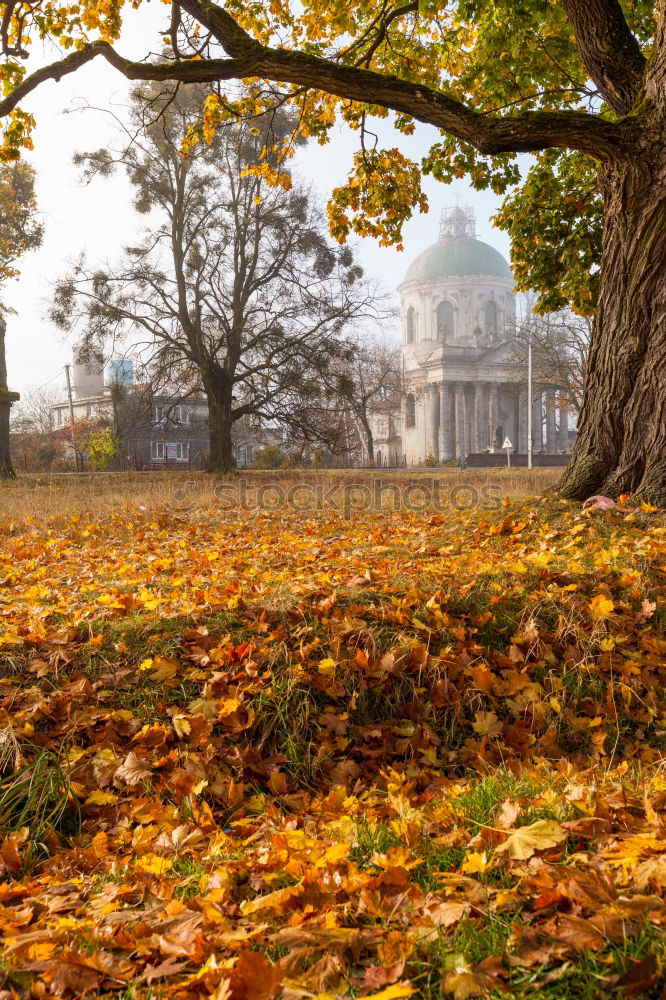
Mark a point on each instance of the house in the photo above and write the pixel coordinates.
(156, 431)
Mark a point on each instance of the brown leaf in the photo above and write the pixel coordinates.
(132, 770)
(254, 978)
(639, 976)
(508, 813)
(651, 872)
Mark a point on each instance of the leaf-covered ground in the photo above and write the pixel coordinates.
(252, 755)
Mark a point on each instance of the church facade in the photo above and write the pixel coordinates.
(463, 391)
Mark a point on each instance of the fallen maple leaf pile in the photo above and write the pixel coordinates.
(252, 755)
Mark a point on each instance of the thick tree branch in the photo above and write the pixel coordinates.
(610, 52)
(528, 131)
(194, 71)
(54, 71)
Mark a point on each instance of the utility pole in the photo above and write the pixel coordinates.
(71, 417)
(529, 400)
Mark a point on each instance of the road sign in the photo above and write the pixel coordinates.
(507, 444)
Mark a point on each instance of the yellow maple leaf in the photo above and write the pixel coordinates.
(182, 725)
(153, 864)
(475, 862)
(337, 852)
(526, 840)
(100, 798)
(601, 606)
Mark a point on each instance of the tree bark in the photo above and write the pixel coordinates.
(369, 442)
(6, 399)
(220, 423)
(621, 447)
(6, 467)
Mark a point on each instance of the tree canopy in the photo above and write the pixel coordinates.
(20, 231)
(495, 78)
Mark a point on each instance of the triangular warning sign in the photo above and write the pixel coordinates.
(507, 443)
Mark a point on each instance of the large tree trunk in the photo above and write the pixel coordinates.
(621, 446)
(6, 399)
(6, 467)
(220, 423)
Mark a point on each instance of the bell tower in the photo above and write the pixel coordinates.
(457, 222)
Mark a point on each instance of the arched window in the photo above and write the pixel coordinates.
(490, 314)
(410, 410)
(411, 324)
(445, 321)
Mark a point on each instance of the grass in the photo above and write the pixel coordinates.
(37, 798)
(181, 493)
(480, 800)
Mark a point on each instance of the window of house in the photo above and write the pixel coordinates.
(490, 314)
(59, 414)
(157, 450)
(159, 414)
(445, 317)
(411, 410)
(181, 414)
(89, 410)
(411, 324)
(182, 451)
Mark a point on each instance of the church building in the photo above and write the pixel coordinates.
(463, 390)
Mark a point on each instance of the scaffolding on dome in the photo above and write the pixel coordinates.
(456, 222)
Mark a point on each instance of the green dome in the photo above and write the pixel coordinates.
(461, 255)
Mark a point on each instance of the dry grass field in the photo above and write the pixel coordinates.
(43, 494)
(330, 736)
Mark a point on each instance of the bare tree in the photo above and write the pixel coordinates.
(235, 279)
(19, 233)
(560, 344)
(34, 413)
(334, 416)
(370, 376)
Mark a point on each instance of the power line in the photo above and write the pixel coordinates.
(36, 388)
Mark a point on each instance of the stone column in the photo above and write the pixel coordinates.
(493, 392)
(461, 420)
(551, 437)
(433, 436)
(521, 443)
(486, 415)
(479, 435)
(537, 417)
(446, 423)
(564, 423)
(470, 400)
